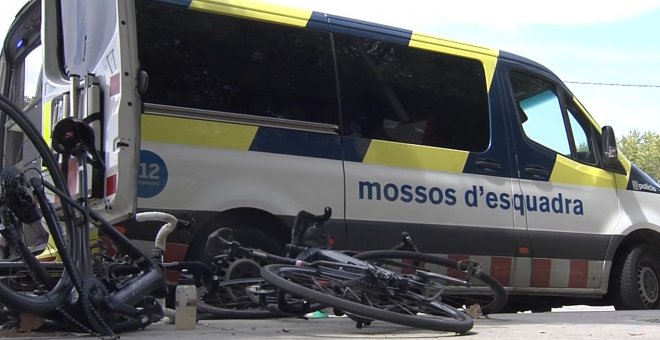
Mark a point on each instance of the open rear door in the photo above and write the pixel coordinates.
(90, 72)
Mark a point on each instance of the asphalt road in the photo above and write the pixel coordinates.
(555, 325)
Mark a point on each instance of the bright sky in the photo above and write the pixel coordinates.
(596, 41)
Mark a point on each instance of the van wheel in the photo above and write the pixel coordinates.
(637, 279)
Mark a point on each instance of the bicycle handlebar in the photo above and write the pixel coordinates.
(169, 226)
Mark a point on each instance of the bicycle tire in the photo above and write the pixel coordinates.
(230, 300)
(54, 296)
(487, 292)
(330, 286)
(89, 313)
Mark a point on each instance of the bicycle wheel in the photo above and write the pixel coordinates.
(353, 290)
(465, 283)
(237, 299)
(31, 187)
(19, 208)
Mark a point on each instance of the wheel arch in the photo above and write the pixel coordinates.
(264, 221)
(639, 237)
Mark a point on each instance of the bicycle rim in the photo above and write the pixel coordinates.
(481, 289)
(236, 299)
(355, 293)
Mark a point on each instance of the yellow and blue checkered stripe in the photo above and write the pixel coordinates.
(328, 146)
(293, 142)
(222, 135)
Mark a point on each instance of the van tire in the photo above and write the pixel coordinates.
(637, 279)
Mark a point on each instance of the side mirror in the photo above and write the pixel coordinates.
(610, 153)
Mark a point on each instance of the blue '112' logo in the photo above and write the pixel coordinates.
(152, 174)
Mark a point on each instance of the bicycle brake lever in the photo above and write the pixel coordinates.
(220, 241)
(186, 223)
(327, 213)
(406, 243)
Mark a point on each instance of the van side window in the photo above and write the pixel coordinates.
(545, 122)
(215, 62)
(584, 141)
(396, 93)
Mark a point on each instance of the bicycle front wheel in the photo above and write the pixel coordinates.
(356, 292)
(464, 283)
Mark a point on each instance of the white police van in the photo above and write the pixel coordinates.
(254, 111)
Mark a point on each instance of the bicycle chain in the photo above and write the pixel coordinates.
(75, 321)
(363, 284)
(93, 315)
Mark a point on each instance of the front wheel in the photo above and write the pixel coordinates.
(637, 279)
(356, 292)
(465, 284)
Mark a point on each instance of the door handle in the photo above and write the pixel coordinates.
(537, 172)
(488, 164)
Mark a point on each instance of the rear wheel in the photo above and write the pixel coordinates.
(238, 291)
(637, 279)
(357, 293)
(466, 285)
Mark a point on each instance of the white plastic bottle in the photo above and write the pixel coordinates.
(186, 302)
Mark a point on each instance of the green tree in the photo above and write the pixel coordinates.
(643, 149)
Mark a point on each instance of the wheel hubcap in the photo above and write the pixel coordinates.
(649, 288)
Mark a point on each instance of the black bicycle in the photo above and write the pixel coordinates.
(404, 287)
(73, 294)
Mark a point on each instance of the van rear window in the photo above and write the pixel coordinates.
(221, 63)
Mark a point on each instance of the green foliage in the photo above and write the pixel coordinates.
(643, 149)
